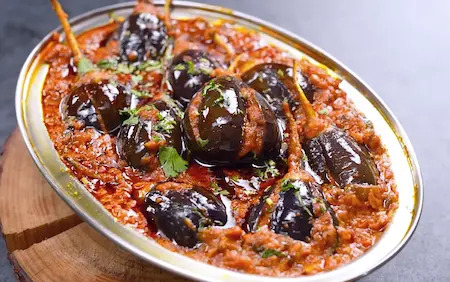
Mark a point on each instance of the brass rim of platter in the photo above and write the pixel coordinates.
(404, 162)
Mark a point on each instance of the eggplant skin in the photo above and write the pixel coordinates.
(130, 142)
(316, 158)
(272, 132)
(142, 36)
(293, 215)
(344, 159)
(221, 116)
(87, 101)
(253, 215)
(216, 118)
(188, 72)
(180, 214)
(275, 82)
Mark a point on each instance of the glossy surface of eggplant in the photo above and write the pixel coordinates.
(189, 71)
(254, 214)
(335, 153)
(275, 82)
(131, 140)
(215, 119)
(294, 213)
(142, 36)
(96, 104)
(180, 214)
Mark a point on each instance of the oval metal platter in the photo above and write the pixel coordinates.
(404, 162)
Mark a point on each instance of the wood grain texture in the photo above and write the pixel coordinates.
(47, 241)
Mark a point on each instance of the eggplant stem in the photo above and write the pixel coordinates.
(220, 42)
(235, 62)
(167, 6)
(70, 37)
(307, 107)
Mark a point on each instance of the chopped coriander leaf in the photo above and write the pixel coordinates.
(304, 157)
(85, 66)
(124, 68)
(235, 178)
(204, 61)
(141, 94)
(270, 170)
(132, 120)
(219, 101)
(171, 162)
(165, 125)
(132, 116)
(212, 86)
(110, 63)
(286, 184)
(150, 66)
(136, 79)
(323, 111)
(217, 190)
(224, 192)
(191, 68)
(157, 138)
(180, 67)
(205, 70)
(202, 142)
(271, 252)
(323, 207)
(280, 73)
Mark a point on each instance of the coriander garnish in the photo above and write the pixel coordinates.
(269, 171)
(85, 65)
(109, 63)
(136, 79)
(165, 125)
(180, 67)
(323, 111)
(141, 94)
(202, 142)
(171, 162)
(212, 86)
(133, 117)
(217, 190)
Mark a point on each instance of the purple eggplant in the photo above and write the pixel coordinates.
(180, 214)
(96, 104)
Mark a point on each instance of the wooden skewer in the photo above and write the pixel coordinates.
(70, 37)
(167, 6)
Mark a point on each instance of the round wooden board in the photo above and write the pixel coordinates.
(46, 241)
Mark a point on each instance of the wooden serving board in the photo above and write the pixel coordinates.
(46, 241)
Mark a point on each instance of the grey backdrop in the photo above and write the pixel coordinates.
(400, 48)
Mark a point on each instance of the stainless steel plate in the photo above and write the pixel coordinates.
(404, 162)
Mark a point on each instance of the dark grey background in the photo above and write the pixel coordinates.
(401, 48)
